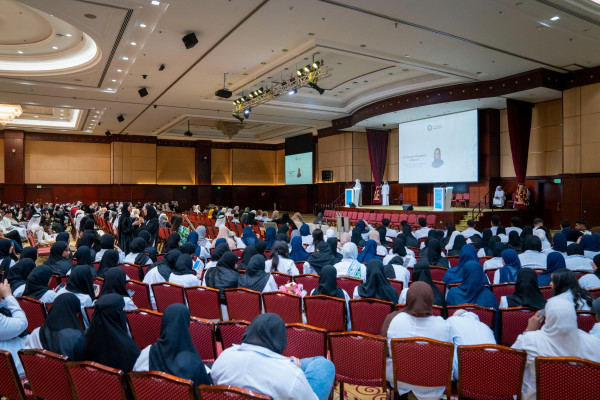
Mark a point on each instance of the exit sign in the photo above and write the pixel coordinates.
(557, 180)
(39, 186)
(185, 187)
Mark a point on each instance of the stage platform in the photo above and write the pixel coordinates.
(425, 209)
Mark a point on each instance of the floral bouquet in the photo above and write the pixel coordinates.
(293, 288)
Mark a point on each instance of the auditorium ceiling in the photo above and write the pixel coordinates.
(89, 59)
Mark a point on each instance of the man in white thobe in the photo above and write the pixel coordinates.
(385, 194)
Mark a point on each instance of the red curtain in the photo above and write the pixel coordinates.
(377, 140)
(519, 127)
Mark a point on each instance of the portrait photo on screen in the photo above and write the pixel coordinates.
(440, 149)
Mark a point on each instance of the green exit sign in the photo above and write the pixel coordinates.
(557, 180)
(185, 187)
(39, 186)
(218, 187)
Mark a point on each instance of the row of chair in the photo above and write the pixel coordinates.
(376, 218)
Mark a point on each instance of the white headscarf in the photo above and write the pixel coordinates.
(542, 235)
(329, 234)
(201, 231)
(220, 221)
(34, 222)
(162, 220)
(349, 251)
(451, 241)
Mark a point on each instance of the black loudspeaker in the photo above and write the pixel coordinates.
(143, 92)
(190, 40)
(120, 118)
(327, 176)
(352, 205)
(405, 206)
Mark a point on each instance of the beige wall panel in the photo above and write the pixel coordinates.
(507, 170)
(554, 163)
(220, 166)
(590, 99)
(589, 157)
(504, 144)
(572, 159)
(175, 165)
(547, 113)
(571, 102)
(536, 164)
(2, 160)
(571, 131)
(503, 121)
(590, 128)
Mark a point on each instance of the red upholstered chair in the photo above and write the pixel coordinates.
(93, 381)
(152, 385)
(34, 311)
(411, 219)
(166, 293)
(300, 266)
(354, 216)
(490, 372)
(44, 385)
(348, 284)
(582, 383)
(325, 312)
(595, 292)
(54, 282)
(141, 295)
(242, 304)
(288, 306)
(586, 320)
(403, 217)
(441, 286)
(308, 281)
(546, 291)
(204, 337)
(204, 302)
(367, 315)
(281, 278)
(395, 220)
(144, 326)
(378, 218)
(453, 260)
(430, 220)
(10, 384)
(89, 312)
(514, 321)
(415, 250)
(422, 361)
(232, 332)
(398, 285)
(220, 392)
(421, 241)
(485, 314)
(359, 359)
(437, 273)
(361, 215)
(502, 289)
(490, 275)
(132, 271)
(305, 341)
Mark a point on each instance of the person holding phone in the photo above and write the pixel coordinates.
(13, 323)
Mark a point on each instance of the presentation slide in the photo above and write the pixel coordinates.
(438, 150)
(298, 169)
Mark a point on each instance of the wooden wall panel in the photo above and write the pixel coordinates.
(175, 165)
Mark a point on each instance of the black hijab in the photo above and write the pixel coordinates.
(107, 341)
(356, 237)
(184, 265)
(107, 242)
(149, 253)
(174, 352)
(56, 261)
(150, 213)
(5, 254)
(249, 252)
(527, 292)
(218, 251)
(62, 333)
(283, 237)
(328, 283)
(223, 275)
(332, 242)
(514, 241)
(267, 330)
(422, 273)
(434, 253)
(63, 237)
(533, 243)
(322, 257)
(261, 247)
(110, 259)
(84, 256)
(167, 264)
(486, 235)
(81, 281)
(459, 242)
(596, 261)
(255, 277)
(382, 235)
(399, 246)
(377, 286)
(411, 241)
(172, 242)
(87, 239)
(144, 234)
(115, 281)
(36, 285)
(138, 245)
(17, 275)
(29, 252)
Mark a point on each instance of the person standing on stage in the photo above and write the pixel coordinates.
(357, 193)
(385, 193)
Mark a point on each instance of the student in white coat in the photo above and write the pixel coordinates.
(12, 327)
(81, 284)
(280, 261)
(385, 194)
(183, 273)
(256, 278)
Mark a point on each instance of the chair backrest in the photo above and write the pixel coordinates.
(242, 304)
(151, 385)
(490, 372)
(325, 312)
(204, 302)
(422, 362)
(586, 320)
(349, 349)
(348, 284)
(367, 315)
(441, 286)
(453, 260)
(220, 392)
(594, 292)
(398, 285)
(304, 341)
(48, 386)
(437, 273)
(10, 384)
(582, 382)
(514, 321)
(490, 274)
(281, 278)
(288, 306)
(93, 381)
(89, 312)
(430, 219)
(166, 293)
(546, 291)
(144, 326)
(204, 337)
(132, 271)
(485, 314)
(502, 289)
(34, 311)
(308, 281)
(411, 219)
(141, 295)
(232, 332)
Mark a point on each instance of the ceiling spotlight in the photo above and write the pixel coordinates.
(113, 80)
(315, 65)
(125, 58)
(293, 91)
(190, 40)
(316, 87)
(142, 25)
(251, 94)
(20, 51)
(162, 67)
(133, 43)
(120, 118)
(68, 35)
(555, 18)
(247, 112)
(119, 70)
(155, 2)
(300, 72)
(55, 48)
(236, 116)
(107, 133)
(143, 92)
(307, 68)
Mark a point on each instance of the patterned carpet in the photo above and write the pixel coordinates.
(352, 392)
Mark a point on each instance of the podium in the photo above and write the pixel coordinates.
(352, 195)
(442, 198)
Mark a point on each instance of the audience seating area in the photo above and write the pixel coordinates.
(376, 218)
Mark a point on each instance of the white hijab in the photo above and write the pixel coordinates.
(349, 252)
(499, 192)
(542, 235)
(34, 223)
(451, 241)
(329, 234)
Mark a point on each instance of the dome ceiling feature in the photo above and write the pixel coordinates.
(35, 43)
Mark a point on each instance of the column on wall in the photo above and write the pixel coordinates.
(14, 165)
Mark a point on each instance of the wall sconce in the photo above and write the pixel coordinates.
(14, 150)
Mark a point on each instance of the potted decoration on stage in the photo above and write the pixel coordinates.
(377, 196)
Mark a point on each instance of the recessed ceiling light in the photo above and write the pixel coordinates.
(155, 3)
(113, 80)
(35, 116)
(55, 48)
(125, 58)
(407, 55)
(555, 18)
(142, 25)
(20, 51)
(68, 35)
(133, 43)
(108, 88)
(119, 70)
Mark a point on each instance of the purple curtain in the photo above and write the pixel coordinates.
(519, 127)
(377, 141)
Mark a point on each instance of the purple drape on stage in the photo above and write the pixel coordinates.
(377, 141)
(519, 127)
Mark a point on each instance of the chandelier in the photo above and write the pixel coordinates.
(8, 112)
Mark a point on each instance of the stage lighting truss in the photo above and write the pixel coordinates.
(312, 73)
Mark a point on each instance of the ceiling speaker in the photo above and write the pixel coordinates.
(190, 40)
(143, 92)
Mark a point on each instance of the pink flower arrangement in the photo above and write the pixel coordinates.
(292, 287)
